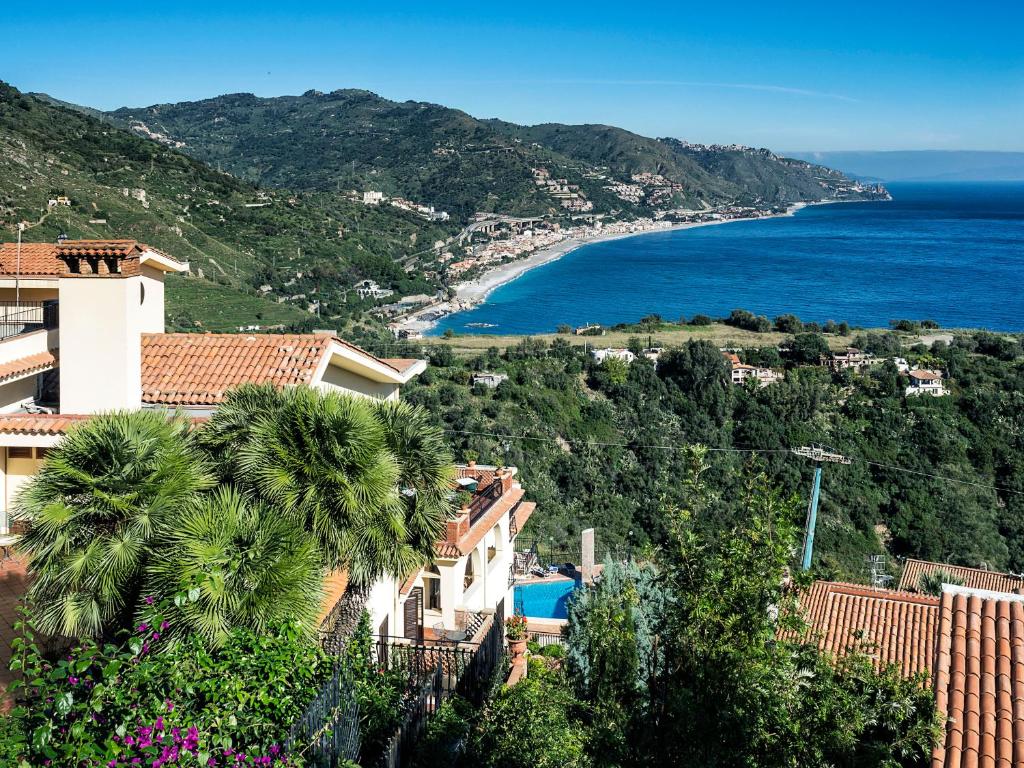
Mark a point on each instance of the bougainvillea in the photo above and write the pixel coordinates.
(159, 699)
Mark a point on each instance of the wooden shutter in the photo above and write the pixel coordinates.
(413, 610)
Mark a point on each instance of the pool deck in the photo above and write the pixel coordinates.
(550, 579)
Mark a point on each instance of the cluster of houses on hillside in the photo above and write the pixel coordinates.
(374, 197)
(82, 333)
(569, 196)
(921, 381)
(968, 642)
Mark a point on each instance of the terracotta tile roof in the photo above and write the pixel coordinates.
(39, 424)
(198, 369)
(523, 513)
(979, 680)
(976, 578)
(476, 533)
(39, 259)
(923, 375)
(335, 585)
(42, 361)
(895, 627)
(54, 259)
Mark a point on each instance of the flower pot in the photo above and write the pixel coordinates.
(517, 647)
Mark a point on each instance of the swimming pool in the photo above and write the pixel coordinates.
(545, 600)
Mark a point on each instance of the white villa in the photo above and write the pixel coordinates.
(82, 332)
(925, 382)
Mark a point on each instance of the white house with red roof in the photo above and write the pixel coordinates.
(82, 332)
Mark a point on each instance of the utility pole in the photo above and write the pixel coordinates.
(819, 456)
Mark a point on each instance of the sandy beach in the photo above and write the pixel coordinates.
(476, 291)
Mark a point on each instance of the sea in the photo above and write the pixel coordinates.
(949, 252)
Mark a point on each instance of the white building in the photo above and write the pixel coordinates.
(925, 382)
(472, 571)
(600, 355)
(491, 380)
(368, 289)
(740, 372)
(373, 198)
(82, 332)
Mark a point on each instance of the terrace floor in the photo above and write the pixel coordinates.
(13, 585)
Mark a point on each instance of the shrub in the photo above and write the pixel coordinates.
(700, 320)
(166, 702)
(533, 724)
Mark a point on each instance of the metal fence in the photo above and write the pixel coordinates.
(438, 673)
(17, 318)
(327, 733)
(546, 638)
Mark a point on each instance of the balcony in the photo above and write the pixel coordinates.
(17, 318)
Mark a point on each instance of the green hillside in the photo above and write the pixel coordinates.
(354, 139)
(256, 256)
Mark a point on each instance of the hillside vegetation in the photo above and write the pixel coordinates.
(446, 158)
(257, 256)
(602, 445)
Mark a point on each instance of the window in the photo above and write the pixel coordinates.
(42, 453)
(19, 452)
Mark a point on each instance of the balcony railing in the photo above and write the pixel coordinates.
(483, 501)
(17, 318)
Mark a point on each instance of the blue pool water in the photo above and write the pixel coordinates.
(545, 600)
(949, 252)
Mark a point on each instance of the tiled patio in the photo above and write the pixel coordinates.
(13, 585)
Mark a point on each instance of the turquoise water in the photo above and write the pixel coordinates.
(545, 600)
(949, 252)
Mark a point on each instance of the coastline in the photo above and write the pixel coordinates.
(474, 292)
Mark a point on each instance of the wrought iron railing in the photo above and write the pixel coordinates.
(327, 733)
(483, 501)
(21, 317)
(438, 673)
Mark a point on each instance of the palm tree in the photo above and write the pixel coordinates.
(105, 494)
(232, 424)
(243, 564)
(426, 470)
(369, 479)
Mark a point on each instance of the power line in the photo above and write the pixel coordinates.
(601, 444)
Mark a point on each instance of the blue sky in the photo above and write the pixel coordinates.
(790, 76)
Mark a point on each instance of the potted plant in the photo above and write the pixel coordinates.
(515, 633)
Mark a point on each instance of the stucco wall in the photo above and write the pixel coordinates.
(16, 393)
(13, 474)
(152, 305)
(383, 603)
(337, 378)
(100, 344)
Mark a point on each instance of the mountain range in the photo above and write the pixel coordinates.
(264, 195)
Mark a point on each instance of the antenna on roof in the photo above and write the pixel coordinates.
(17, 267)
(819, 455)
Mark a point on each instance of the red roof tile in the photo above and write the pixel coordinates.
(39, 259)
(894, 627)
(39, 424)
(976, 578)
(979, 680)
(42, 361)
(53, 259)
(198, 369)
(476, 533)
